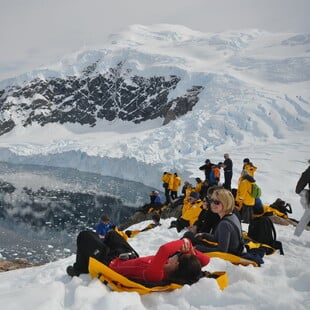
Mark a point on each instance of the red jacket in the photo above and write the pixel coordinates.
(151, 268)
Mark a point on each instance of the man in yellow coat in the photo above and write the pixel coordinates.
(177, 181)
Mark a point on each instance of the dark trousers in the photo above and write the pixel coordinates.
(90, 245)
(174, 195)
(167, 195)
(247, 214)
(227, 178)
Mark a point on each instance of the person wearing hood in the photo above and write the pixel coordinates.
(244, 198)
(249, 167)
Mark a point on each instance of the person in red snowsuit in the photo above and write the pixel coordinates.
(176, 261)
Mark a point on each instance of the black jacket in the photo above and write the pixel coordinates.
(303, 181)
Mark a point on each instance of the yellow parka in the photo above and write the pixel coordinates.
(176, 183)
(171, 181)
(191, 211)
(166, 177)
(198, 187)
(244, 193)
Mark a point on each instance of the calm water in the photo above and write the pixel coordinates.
(42, 209)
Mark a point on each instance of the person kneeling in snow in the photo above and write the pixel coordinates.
(176, 261)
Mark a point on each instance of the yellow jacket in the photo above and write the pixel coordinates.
(170, 182)
(166, 177)
(244, 193)
(198, 187)
(191, 211)
(176, 183)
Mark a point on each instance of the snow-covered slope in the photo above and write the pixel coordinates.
(281, 283)
(255, 95)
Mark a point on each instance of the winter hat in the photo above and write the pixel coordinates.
(207, 161)
(246, 160)
(194, 195)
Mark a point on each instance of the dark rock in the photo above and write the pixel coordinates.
(93, 96)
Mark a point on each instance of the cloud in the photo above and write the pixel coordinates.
(37, 32)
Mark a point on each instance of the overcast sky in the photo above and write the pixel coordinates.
(39, 32)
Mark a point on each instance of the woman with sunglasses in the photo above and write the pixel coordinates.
(176, 261)
(227, 236)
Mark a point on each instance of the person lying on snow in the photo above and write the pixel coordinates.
(227, 236)
(176, 261)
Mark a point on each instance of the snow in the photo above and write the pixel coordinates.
(282, 282)
(256, 104)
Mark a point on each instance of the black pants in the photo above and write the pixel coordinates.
(247, 214)
(90, 245)
(167, 195)
(227, 178)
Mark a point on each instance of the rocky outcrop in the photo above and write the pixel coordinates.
(6, 265)
(94, 96)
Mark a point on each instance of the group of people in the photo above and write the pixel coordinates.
(212, 171)
(171, 184)
(176, 261)
(213, 224)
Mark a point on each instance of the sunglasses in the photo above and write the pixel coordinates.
(216, 202)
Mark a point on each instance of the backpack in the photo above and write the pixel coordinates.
(282, 206)
(256, 191)
(262, 230)
(212, 177)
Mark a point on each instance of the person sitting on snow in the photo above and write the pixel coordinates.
(190, 212)
(227, 236)
(104, 226)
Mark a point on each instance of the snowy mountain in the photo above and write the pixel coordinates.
(155, 98)
(162, 97)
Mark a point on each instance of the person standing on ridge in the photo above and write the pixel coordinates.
(166, 177)
(207, 169)
(176, 184)
(304, 194)
(228, 171)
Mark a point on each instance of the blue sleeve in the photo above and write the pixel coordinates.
(99, 229)
(158, 199)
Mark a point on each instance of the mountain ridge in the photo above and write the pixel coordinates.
(245, 86)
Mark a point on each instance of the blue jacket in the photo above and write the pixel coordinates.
(102, 229)
(158, 199)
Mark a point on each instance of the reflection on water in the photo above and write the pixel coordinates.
(43, 208)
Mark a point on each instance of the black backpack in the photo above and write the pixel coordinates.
(262, 230)
(282, 206)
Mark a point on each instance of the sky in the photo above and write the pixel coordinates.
(35, 33)
(282, 282)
